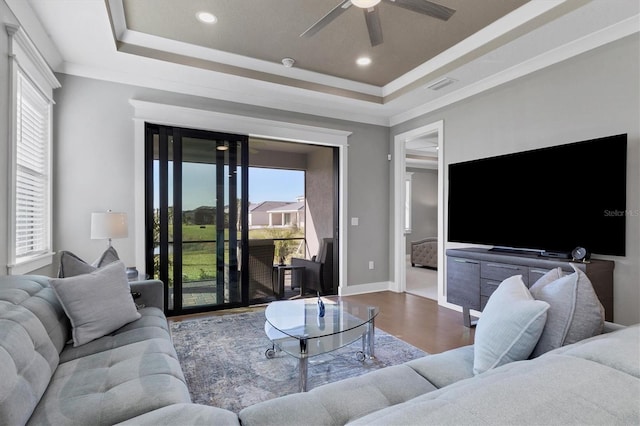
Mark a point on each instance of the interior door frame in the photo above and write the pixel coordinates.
(172, 115)
(399, 196)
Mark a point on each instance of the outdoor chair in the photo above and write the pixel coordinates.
(260, 268)
(317, 275)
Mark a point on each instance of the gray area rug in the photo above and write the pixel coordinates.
(224, 363)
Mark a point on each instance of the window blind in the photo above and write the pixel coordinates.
(32, 170)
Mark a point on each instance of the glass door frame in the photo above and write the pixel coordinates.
(177, 133)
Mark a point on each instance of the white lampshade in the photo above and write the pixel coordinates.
(108, 225)
(365, 4)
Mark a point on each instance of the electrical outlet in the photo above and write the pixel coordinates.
(371, 265)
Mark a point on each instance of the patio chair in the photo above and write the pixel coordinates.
(261, 276)
(317, 275)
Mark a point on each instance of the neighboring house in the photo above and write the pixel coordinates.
(259, 212)
(276, 213)
(291, 214)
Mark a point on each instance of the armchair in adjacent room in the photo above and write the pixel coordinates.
(317, 275)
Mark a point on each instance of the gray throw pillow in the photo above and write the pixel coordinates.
(97, 303)
(71, 265)
(110, 255)
(509, 327)
(575, 313)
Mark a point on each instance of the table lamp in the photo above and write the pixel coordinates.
(108, 225)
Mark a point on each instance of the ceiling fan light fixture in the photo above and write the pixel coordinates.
(365, 4)
(206, 17)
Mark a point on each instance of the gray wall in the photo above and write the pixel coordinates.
(93, 160)
(424, 205)
(319, 193)
(592, 95)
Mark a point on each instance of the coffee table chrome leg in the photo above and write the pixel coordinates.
(369, 350)
(302, 365)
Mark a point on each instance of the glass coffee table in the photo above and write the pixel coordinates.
(294, 327)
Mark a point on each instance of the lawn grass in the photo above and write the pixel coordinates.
(199, 258)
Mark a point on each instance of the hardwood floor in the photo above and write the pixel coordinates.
(414, 319)
(418, 321)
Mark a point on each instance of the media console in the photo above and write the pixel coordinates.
(474, 273)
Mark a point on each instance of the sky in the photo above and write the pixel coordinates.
(198, 182)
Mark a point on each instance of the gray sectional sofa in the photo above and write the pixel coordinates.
(132, 376)
(46, 380)
(595, 381)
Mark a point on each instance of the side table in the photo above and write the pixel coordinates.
(281, 272)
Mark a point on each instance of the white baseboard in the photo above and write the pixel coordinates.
(364, 288)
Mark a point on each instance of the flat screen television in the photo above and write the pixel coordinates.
(549, 200)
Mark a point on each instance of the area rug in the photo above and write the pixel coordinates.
(224, 363)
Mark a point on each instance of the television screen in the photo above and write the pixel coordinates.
(551, 199)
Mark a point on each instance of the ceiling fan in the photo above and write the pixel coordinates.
(372, 17)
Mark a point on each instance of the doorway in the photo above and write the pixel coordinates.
(421, 215)
(299, 222)
(199, 215)
(418, 151)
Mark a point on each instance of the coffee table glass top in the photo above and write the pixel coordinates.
(291, 321)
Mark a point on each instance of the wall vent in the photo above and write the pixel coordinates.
(439, 84)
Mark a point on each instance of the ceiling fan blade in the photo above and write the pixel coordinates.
(326, 19)
(425, 7)
(372, 17)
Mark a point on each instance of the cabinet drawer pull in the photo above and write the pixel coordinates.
(465, 261)
(495, 265)
(539, 271)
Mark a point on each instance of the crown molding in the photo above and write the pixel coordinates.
(569, 50)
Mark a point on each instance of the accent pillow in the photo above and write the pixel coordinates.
(97, 303)
(575, 313)
(110, 255)
(550, 276)
(510, 326)
(71, 265)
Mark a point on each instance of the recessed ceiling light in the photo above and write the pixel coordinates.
(363, 61)
(206, 17)
(222, 148)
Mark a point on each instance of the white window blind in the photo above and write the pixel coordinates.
(32, 171)
(29, 153)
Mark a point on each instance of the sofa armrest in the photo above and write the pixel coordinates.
(151, 293)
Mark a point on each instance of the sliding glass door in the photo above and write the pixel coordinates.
(197, 204)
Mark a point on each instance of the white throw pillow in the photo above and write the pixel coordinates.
(575, 313)
(510, 326)
(97, 303)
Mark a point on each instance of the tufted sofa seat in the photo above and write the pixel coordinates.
(425, 252)
(45, 380)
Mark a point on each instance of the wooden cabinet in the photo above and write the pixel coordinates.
(473, 274)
